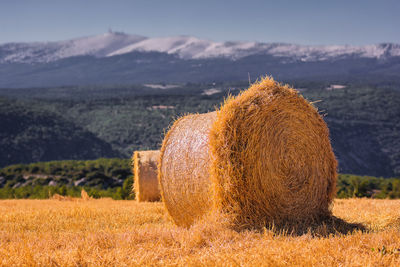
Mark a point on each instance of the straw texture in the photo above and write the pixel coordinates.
(145, 175)
(184, 164)
(264, 157)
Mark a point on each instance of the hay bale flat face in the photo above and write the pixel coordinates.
(269, 160)
(273, 160)
(145, 175)
(184, 168)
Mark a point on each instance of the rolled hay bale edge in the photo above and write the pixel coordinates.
(264, 157)
(145, 172)
(186, 189)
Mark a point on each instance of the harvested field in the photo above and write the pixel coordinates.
(127, 233)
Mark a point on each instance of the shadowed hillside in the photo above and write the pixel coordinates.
(92, 122)
(30, 134)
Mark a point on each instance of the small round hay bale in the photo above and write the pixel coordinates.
(84, 195)
(145, 175)
(264, 157)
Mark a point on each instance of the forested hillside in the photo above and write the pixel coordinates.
(30, 133)
(100, 178)
(92, 122)
(365, 128)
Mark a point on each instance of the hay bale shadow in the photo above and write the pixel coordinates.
(325, 227)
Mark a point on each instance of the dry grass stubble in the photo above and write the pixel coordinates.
(127, 233)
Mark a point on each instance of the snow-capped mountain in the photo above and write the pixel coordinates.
(98, 46)
(186, 47)
(194, 48)
(119, 58)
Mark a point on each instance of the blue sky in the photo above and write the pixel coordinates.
(354, 22)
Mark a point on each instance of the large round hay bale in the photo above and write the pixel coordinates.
(264, 157)
(145, 175)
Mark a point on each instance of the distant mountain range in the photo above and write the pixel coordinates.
(119, 58)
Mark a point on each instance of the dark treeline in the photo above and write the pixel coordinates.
(100, 178)
(113, 178)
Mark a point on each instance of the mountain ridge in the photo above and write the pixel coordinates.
(119, 58)
(186, 47)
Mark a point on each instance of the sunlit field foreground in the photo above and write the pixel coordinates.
(125, 233)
